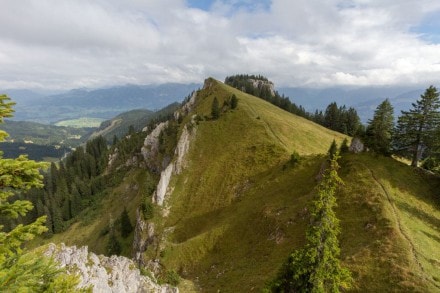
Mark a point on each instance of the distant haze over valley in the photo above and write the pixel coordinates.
(51, 107)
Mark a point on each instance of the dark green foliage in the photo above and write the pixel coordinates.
(344, 146)
(22, 271)
(380, 129)
(234, 101)
(316, 267)
(168, 139)
(295, 158)
(417, 129)
(113, 245)
(170, 277)
(69, 187)
(339, 119)
(148, 209)
(131, 130)
(431, 164)
(215, 109)
(115, 140)
(332, 150)
(34, 151)
(126, 226)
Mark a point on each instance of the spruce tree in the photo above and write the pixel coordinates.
(126, 227)
(416, 128)
(113, 245)
(316, 267)
(215, 109)
(332, 150)
(344, 146)
(22, 271)
(380, 129)
(332, 116)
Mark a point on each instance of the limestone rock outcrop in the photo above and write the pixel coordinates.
(105, 274)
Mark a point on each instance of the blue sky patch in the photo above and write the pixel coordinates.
(429, 28)
(248, 5)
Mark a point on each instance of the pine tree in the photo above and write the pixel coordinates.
(416, 128)
(215, 109)
(316, 267)
(344, 146)
(332, 150)
(22, 271)
(126, 227)
(234, 101)
(113, 245)
(332, 116)
(380, 129)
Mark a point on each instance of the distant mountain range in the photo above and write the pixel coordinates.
(99, 103)
(107, 103)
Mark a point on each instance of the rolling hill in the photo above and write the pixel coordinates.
(230, 206)
(139, 118)
(102, 103)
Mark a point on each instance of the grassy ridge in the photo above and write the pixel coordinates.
(238, 209)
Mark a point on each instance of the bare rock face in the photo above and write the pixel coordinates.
(151, 146)
(259, 84)
(174, 167)
(143, 236)
(189, 106)
(116, 274)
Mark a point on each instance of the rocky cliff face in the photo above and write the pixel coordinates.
(144, 234)
(105, 274)
(151, 147)
(174, 167)
(259, 84)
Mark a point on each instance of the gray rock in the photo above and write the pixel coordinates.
(356, 146)
(116, 274)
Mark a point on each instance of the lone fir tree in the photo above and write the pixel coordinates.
(215, 109)
(316, 267)
(126, 226)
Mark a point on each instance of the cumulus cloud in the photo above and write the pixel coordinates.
(66, 44)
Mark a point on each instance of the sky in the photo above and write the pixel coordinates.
(65, 44)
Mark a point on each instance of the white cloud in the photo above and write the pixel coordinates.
(67, 44)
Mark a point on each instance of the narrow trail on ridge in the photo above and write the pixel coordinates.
(401, 230)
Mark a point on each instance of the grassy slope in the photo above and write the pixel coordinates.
(390, 219)
(238, 210)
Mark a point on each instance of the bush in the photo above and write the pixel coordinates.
(170, 277)
(295, 158)
(431, 164)
(148, 209)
